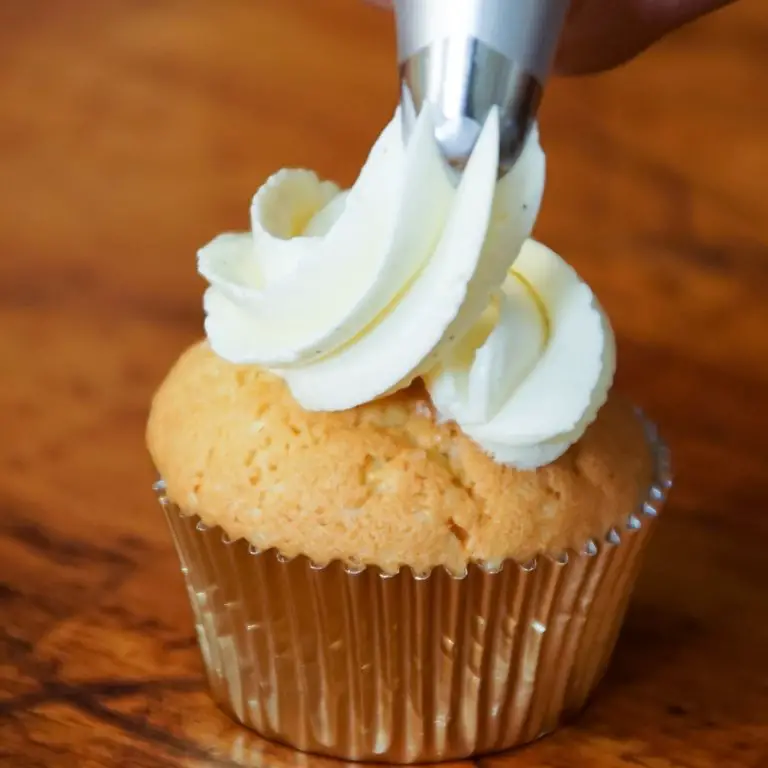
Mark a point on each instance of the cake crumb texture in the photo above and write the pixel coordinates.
(382, 484)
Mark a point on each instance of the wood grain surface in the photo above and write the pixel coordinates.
(132, 131)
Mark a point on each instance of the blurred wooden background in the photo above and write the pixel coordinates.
(132, 131)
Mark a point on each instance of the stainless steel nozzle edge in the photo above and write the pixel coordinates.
(464, 56)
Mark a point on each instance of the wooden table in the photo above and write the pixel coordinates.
(132, 131)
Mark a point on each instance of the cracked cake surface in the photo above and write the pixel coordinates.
(381, 484)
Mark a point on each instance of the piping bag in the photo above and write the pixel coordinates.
(464, 56)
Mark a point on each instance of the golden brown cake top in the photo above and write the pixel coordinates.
(382, 484)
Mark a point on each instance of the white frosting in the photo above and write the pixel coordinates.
(530, 389)
(349, 295)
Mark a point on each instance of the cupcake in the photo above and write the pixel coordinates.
(408, 504)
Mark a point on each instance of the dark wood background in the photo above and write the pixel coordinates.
(132, 131)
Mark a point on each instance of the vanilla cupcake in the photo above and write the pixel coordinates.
(409, 512)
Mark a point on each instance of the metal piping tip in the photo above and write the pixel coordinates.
(461, 103)
(465, 56)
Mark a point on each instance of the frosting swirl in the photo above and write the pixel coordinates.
(537, 367)
(350, 295)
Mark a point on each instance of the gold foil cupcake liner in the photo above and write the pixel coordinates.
(356, 663)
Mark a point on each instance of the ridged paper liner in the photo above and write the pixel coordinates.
(361, 665)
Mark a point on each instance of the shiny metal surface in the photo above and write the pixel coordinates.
(464, 56)
(411, 669)
(462, 78)
(523, 31)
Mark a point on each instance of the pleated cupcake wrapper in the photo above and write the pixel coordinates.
(352, 662)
